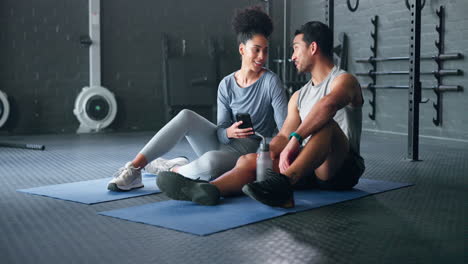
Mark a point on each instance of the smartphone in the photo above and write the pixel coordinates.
(246, 121)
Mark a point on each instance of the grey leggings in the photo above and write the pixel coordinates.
(214, 157)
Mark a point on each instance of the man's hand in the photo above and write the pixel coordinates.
(235, 132)
(289, 154)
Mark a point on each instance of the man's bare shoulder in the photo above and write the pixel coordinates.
(293, 99)
(346, 79)
(347, 84)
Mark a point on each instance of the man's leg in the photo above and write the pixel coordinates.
(231, 182)
(178, 187)
(324, 154)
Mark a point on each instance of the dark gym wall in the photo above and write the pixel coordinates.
(393, 40)
(43, 67)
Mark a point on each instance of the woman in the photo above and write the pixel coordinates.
(252, 89)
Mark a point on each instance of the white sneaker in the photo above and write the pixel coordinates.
(125, 179)
(158, 165)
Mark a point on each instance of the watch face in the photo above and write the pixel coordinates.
(97, 108)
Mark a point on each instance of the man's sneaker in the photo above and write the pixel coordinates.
(159, 165)
(126, 179)
(178, 187)
(275, 190)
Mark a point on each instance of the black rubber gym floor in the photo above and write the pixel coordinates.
(425, 223)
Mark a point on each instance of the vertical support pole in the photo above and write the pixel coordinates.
(439, 43)
(95, 48)
(329, 16)
(213, 52)
(267, 11)
(285, 40)
(373, 48)
(414, 91)
(165, 76)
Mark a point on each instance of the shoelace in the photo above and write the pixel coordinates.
(117, 174)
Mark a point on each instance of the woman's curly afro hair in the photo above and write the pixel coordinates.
(251, 21)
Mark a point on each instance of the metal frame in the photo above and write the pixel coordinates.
(329, 15)
(93, 42)
(285, 39)
(414, 90)
(95, 47)
(373, 48)
(215, 48)
(165, 70)
(341, 51)
(415, 87)
(440, 48)
(407, 4)
(267, 8)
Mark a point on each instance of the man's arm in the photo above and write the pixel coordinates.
(291, 123)
(344, 89)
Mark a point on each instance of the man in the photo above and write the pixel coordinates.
(318, 144)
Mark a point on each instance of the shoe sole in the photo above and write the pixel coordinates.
(114, 187)
(246, 189)
(178, 187)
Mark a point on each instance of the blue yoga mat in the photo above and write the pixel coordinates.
(238, 211)
(93, 191)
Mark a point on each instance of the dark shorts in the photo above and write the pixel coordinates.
(346, 177)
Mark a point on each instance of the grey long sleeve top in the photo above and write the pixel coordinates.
(265, 101)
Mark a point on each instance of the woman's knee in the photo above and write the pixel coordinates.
(186, 115)
(210, 158)
(216, 161)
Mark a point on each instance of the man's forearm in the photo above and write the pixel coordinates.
(277, 145)
(318, 117)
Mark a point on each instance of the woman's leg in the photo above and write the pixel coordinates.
(199, 132)
(210, 165)
(213, 164)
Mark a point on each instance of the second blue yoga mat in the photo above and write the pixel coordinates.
(238, 211)
(93, 191)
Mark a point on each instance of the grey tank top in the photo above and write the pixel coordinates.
(349, 118)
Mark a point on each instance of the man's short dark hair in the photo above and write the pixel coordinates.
(320, 33)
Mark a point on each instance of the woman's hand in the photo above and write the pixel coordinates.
(235, 132)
